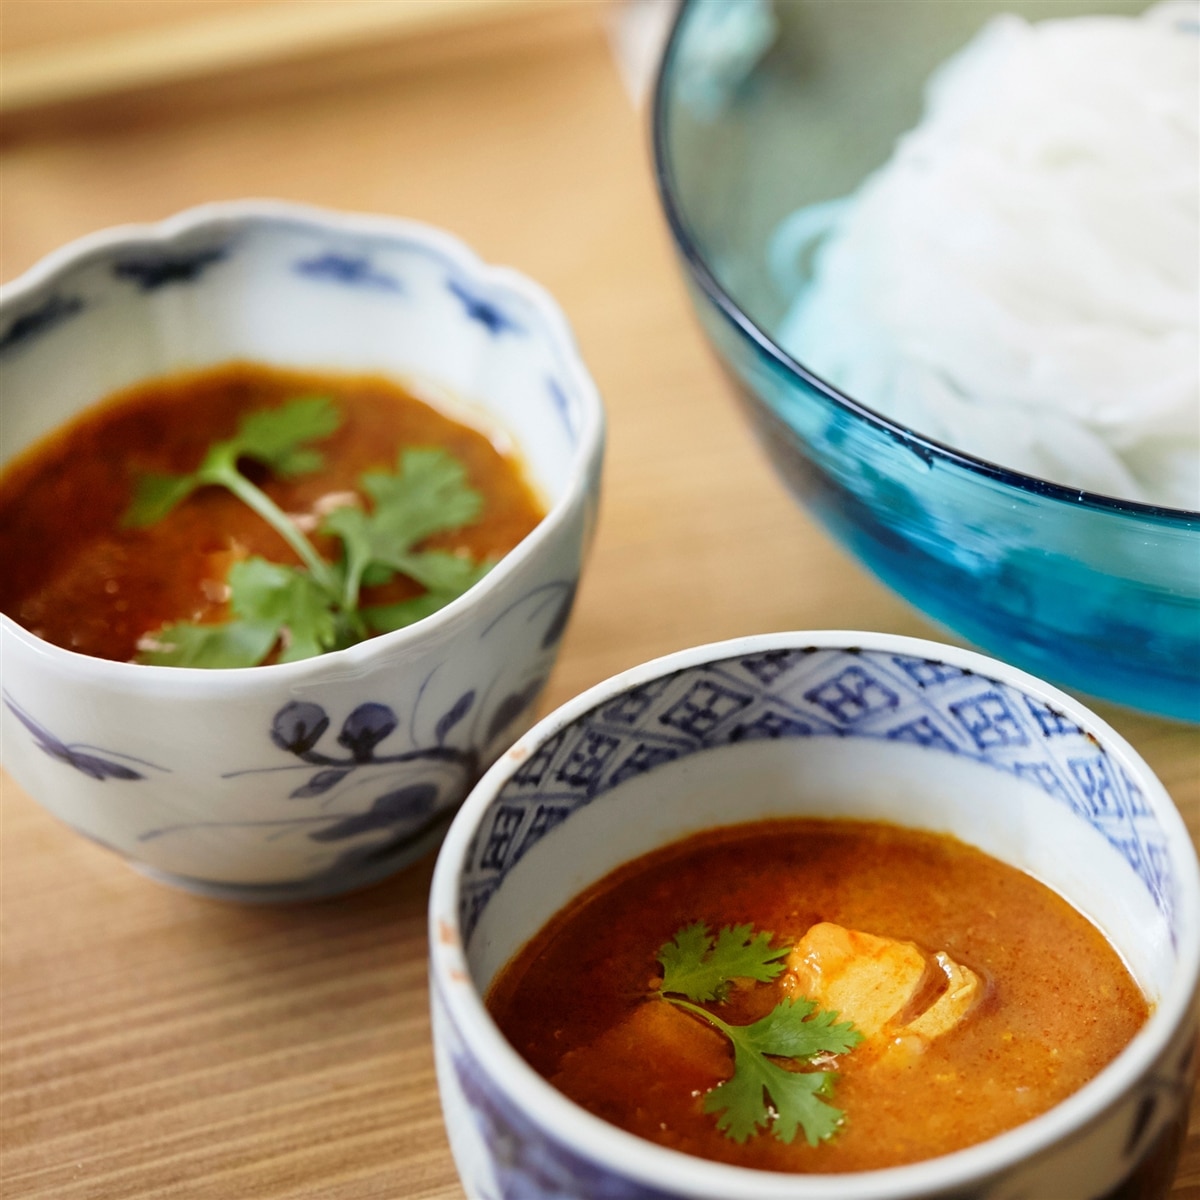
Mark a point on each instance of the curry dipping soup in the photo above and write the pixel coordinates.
(1024, 1002)
(913, 865)
(79, 575)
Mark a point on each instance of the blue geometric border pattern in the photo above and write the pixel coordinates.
(815, 692)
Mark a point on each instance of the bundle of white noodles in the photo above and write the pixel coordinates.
(1020, 280)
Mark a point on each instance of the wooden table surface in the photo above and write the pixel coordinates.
(155, 1044)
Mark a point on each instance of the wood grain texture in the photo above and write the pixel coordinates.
(71, 52)
(153, 1044)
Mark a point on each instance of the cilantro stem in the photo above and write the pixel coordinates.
(231, 478)
(355, 563)
(711, 1018)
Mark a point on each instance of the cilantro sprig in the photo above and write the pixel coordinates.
(696, 966)
(296, 612)
(761, 1093)
(275, 437)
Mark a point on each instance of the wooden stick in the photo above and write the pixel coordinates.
(73, 71)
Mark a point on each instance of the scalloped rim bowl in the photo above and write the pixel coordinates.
(191, 759)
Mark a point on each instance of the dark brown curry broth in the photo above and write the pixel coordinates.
(75, 578)
(1059, 1002)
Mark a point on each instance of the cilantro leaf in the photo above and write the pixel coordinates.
(798, 1098)
(427, 494)
(154, 496)
(682, 960)
(275, 437)
(445, 584)
(794, 1029)
(384, 618)
(440, 571)
(286, 598)
(696, 966)
(272, 603)
(761, 1093)
(795, 1100)
(231, 644)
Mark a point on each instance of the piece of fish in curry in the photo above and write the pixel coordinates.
(889, 989)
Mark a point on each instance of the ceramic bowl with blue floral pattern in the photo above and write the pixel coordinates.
(829, 724)
(300, 779)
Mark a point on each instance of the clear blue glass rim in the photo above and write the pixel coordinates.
(1184, 519)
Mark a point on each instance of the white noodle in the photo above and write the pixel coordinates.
(1020, 280)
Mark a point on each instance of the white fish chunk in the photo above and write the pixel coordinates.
(889, 989)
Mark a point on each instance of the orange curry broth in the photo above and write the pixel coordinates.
(1058, 1005)
(74, 577)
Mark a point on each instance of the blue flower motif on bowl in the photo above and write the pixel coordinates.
(39, 319)
(91, 761)
(153, 271)
(349, 270)
(485, 311)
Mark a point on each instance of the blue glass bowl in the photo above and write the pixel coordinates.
(1101, 595)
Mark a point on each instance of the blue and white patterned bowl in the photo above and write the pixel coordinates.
(860, 725)
(313, 777)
